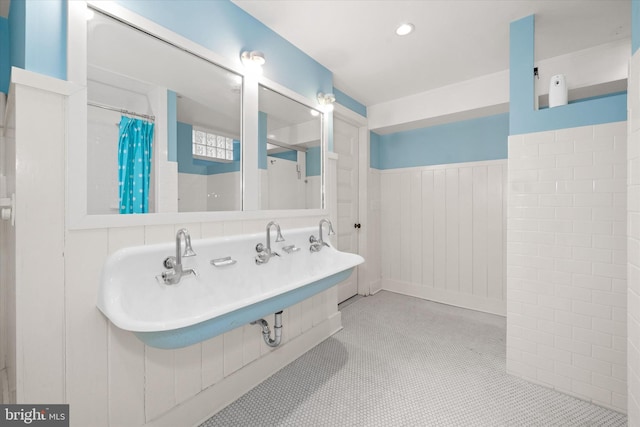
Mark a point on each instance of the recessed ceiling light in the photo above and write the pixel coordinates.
(404, 29)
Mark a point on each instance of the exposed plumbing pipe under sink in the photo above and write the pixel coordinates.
(266, 332)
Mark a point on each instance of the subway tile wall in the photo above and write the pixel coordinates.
(566, 261)
(633, 242)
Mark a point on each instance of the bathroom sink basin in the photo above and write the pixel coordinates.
(221, 297)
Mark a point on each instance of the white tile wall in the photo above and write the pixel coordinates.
(566, 275)
(633, 242)
(224, 192)
(192, 192)
(443, 233)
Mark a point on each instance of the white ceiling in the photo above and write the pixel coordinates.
(454, 40)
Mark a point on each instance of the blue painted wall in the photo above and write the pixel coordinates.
(291, 155)
(523, 117)
(38, 31)
(465, 141)
(5, 56)
(38, 36)
(345, 100)
(374, 150)
(186, 162)
(313, 161)
(46, 40)
(228, 30)
(18, 32)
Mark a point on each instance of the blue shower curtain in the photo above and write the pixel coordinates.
(134, 164)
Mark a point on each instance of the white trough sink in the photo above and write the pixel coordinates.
(134, 297)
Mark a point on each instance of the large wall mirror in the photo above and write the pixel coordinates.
(173, 127)
(163, 126)
(290, 152)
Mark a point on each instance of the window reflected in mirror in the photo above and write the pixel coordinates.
(290, 152)
(164, 126)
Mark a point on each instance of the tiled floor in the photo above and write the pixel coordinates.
(402, 361)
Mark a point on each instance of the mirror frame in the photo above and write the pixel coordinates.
(76, 149)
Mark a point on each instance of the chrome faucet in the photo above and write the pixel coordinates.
(319, 243)
(265, 254)
(174, 264)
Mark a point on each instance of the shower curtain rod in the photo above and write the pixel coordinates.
(120, 110)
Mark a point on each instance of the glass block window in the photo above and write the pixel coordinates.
(209, 146)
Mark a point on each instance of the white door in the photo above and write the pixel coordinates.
(345, 144)
(286, 188)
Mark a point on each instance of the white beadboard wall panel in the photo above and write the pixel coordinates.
(480, 230)
(374, 230)
(8, 260)
(159, 383)
(252, 340)
(439, 228)
(428, 248)
(496, 222)
(564, 316)
(633, 243)
(293, 330)
(415, 245)
(443, 234)
(126, 378)
(126, 353)
(86, 328)
(392, 253)
(318, 302)
(452, 230)
(212, 361)
(385, 226)
(233, 351)
(188, 372)
(465, 245)
(39, 249)
(405, 227)
(306, 315)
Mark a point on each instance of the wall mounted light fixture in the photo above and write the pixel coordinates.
(254, 57)
(326, 100)
(253, 61)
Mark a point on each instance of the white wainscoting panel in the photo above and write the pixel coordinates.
(113, 379)
(443, 233)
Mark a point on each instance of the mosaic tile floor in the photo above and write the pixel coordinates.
(402, 361)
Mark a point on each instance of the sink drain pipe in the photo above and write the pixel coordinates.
(266, 332)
